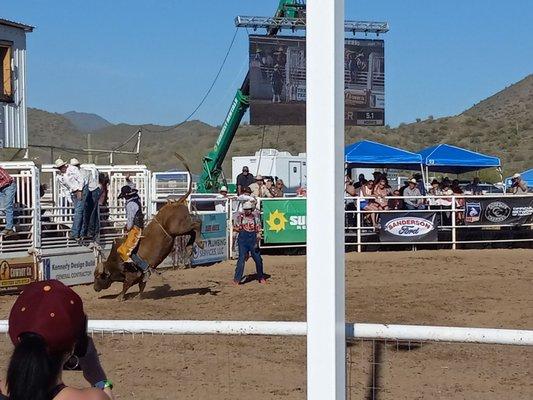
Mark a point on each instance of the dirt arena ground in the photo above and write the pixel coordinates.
(488, 288)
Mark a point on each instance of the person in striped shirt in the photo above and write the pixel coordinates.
(248, 227)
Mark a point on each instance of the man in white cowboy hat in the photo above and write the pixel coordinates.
(412, 203)
(71, 178)
(518, 185)
(91, 215)
(248, 227)
(220, 206)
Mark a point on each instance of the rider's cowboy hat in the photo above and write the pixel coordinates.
(59, 163)
(126, 191)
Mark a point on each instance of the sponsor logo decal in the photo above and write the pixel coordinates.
(277, 221)
(473, 212)
(497, 211)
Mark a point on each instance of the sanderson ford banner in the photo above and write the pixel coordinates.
(408, 227)
(284, 221)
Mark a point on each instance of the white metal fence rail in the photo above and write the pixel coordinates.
(278, 328)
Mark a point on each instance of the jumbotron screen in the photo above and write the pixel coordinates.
(278, 81)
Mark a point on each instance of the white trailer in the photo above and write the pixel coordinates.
(278, 164)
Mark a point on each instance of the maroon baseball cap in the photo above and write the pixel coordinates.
(51, 310)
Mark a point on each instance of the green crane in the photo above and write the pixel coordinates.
(209, 180)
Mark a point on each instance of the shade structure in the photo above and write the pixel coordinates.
(376, 155)
(453, 159)
(527, 176)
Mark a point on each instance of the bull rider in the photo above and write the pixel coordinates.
(134, 227)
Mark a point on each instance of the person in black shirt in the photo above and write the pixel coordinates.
(244, 180)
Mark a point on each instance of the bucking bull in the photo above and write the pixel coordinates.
(172, 220)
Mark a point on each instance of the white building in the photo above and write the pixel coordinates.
(277, 164)
(13, 118)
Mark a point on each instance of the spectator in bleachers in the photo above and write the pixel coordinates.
(269, 185)
(446, 202)
(420, 184)
(70, 177)
(380, 193)
(244, 179)
(91, 213)
(474, 188)
(8, 190)
(459, 201)
(259, 189)
(518, 185)
(395, 204)
(412, 203)
(48, 329)
(360, 181)
(405, 185)
(367, 191)
(278, 189)
(435, 190)
(301, 191)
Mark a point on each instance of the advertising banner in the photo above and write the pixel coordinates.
(71, 269)
(214, 235)
(501, 211)
(278, 81)
(15, 273)
(284, 221)
(408, 227)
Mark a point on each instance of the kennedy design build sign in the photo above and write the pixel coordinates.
(408, 227)
(72, 269)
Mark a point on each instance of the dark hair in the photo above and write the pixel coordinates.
(32, 371)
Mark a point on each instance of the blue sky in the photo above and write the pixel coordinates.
(151, 61)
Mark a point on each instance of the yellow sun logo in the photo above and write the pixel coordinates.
(276, 221)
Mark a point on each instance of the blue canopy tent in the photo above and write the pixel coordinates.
(376, 155)
(452, 159)
(527, 176)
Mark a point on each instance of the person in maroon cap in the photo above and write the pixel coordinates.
(48, 328)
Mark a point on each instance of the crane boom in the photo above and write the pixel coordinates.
(209, 180)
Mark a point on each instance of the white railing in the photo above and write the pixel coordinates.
(448, 334)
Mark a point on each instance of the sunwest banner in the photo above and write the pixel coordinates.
(501, 211)
(408, 227)
(284, 221)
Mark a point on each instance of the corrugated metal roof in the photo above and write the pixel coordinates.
(6, 22)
